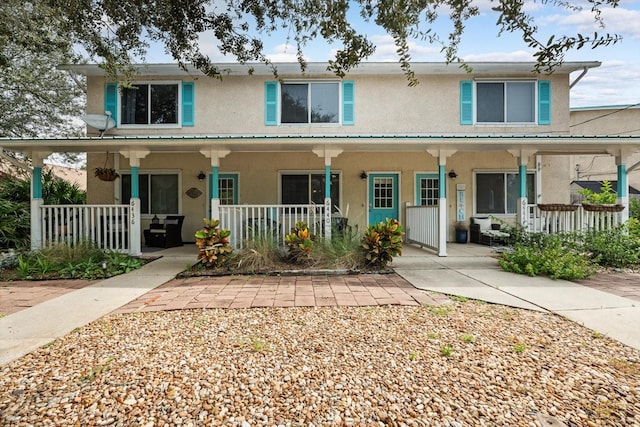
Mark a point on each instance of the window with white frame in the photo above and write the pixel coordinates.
(505, 102)
(298, 188)
(150, 104)
(498, 192)
(427, 191)
(315, 102)
(159, 192)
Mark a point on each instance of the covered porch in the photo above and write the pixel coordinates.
(120, 226)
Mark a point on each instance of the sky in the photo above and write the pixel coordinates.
(615, 82)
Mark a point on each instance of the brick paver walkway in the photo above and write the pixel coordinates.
(289, 291)
(18, 295)
(622, 284)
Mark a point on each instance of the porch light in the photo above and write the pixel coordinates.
(363, 175)
(453, 174)
(201, 176)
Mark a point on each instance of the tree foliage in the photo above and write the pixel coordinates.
(118, 31)
(36, 99)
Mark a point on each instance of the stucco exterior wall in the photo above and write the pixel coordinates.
(383, 105)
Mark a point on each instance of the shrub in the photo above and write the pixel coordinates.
(341, 251)
(213, 245)
(616, 247)
(262, 253)
(381, 242)
(548, 255)
(14, 224)
(605, 196)
(300, 242)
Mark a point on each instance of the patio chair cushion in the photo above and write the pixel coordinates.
(484, 223)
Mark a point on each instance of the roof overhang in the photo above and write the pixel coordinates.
(347, 143)
(320, 68)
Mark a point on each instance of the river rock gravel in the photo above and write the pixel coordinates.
(460, 364)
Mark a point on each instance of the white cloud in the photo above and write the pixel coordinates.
(515, 56)
(613, 83)
(283, 53)
(618, 21)
(386, 50)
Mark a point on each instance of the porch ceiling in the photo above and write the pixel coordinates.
(347, 143)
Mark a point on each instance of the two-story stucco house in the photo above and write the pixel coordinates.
(365, 147)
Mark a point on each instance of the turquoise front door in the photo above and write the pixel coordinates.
(383, 197)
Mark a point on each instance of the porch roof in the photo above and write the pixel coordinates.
(541, 144)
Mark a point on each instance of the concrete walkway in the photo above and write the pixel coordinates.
(469, 270)
(479, 277)
(26, 330)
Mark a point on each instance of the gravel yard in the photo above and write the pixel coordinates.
(462, 364)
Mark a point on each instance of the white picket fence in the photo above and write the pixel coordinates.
(422, 226)
(250, 222)
(543, 221)
(105, 225)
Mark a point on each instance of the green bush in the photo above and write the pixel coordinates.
(79, 261)
(606, 196)
(549, 257)
(381, 242)
(14, 224)
(617, 247)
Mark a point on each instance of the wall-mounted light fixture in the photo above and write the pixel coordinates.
(201, 176)
(453, 174)
(363, 175)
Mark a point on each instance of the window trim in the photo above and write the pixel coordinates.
(418, 176)
(150, 215)
(530, 171)
(311, 172)
(307, 82)
(504, 82)
(178, 125)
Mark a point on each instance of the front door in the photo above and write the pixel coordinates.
(383, 197)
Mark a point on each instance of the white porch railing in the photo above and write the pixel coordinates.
(105, 225)
(570, 221)
(422, 225)
(248, 222)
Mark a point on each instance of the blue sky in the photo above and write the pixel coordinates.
(616, 81)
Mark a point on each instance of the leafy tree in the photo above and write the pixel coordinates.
(36, 98)
(118, 30)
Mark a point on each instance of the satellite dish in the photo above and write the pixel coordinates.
(102, 122)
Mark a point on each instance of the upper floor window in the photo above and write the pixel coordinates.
(158, 103)
(149, 104)
(303, 102)
(309, 102)
(505, 102)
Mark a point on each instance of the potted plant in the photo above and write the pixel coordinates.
(462, 232)
(106, 174)
(604, 201)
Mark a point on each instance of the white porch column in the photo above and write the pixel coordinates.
(522, 217)
(328, 155)
(134, 156)
(215, 155)
(443, 221)
(37, 158)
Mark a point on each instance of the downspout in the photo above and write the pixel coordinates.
(575, 82)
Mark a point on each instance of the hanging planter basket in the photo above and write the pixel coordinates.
(557, 207)
(602, 208)
(106, 173)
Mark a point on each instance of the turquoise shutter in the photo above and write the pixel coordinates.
(348, 99)
(544, 102)
(188, 104)
(466, 102)
(271, 103)
(111, 100)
